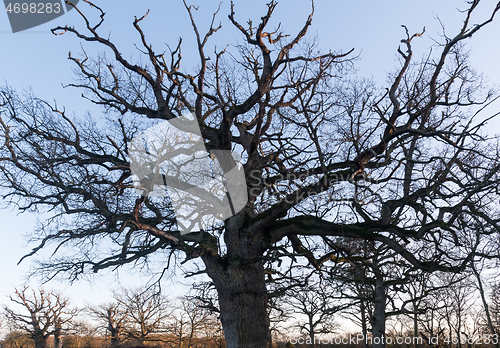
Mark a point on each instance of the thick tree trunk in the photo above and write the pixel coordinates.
(378, 324)
(243, 307)
(114, 328)
(115, 338)
(57, 335)
(239, 278)
(57, 342)
(40, 342)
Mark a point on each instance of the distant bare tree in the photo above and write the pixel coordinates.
(204, 297)
(477, 271)
(146, 311)
(84, 333)
(213, 330)
(42, 314)
(189, 320)
(456, 305)
(112, 317)
(315, 306)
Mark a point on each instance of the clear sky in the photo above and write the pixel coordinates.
(36, 59)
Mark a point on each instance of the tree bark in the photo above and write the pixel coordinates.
(40, 341)
(243, 307)
(115, 337)
(239, 278)
(57, 342)
(57, 334)
(378, 323)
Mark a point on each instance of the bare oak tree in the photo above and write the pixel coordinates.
(146, 311)
(111, 317)
(190, 320)
(315, 306)
(42, 314)
(324, 157)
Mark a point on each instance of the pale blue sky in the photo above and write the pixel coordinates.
(37, 59)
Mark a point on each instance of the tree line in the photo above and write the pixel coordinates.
(438, 310)
(41, 319)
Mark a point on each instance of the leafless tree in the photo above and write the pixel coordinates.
(324, 158)
(478, 273)
(315, 307)
(370, 275)
(204, 295)
(214, 332)
(112, 317)
(84, 333)
(146, 311)
(41, 314)
(455, 305)
(188, 321)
